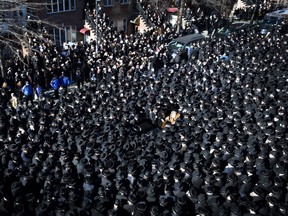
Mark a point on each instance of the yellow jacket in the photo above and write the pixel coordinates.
(171, 118)
(14, 101)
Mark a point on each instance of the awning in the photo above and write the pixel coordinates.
(84, 30)
(172, 10)
(135, 20)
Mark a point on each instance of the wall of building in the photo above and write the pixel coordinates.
(64, 19)
(119, 12)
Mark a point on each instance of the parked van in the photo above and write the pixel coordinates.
(178, 48)
(236, 26)
(272, 20)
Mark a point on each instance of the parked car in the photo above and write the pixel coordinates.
(233, 27)
(178, 47)
(273, 20)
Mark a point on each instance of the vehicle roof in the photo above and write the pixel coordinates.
(189, 38)
(279, 13)
(238, 25)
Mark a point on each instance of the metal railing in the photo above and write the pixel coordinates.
(90, 19)
(92, 22)
(142, 13)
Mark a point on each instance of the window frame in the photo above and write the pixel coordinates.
(124, 2)
(62, 36)
(54, 6)
(108, 5)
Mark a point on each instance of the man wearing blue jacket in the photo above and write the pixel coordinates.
(27, 90)
(55, 84)
(65, 82)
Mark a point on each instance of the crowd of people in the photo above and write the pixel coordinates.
(247, 13)
(102, 149)
(200, 17)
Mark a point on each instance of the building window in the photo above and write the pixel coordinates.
(119, 25)
(124, 1)
(122, 25)
(65, 34)
(107, 3)
(56, 6)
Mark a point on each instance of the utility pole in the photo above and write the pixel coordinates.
(96, 8)
(180, 15)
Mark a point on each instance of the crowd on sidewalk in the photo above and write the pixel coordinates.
(225, 153)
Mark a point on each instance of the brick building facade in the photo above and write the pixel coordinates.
(119, 12)
(69, 17)
(66, 18)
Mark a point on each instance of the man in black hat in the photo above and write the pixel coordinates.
(79, 78)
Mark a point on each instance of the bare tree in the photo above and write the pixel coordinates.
(158, 6)
(221, 6)
(18, 25)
